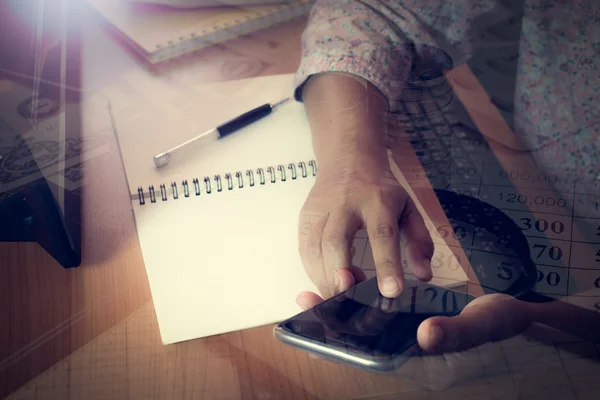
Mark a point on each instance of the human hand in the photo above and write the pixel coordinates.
(488, 318)
(356, 189)
(359, 191)
(453, 347)
(465, 347)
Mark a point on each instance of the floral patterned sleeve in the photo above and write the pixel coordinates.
(368, 38)
(345, 36)
(557, 90)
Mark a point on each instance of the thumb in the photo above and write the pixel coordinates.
(488, 318)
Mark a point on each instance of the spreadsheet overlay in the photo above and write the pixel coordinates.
(560, 218)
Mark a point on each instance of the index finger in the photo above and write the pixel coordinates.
(384, 236)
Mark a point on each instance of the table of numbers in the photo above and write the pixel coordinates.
(560, 217)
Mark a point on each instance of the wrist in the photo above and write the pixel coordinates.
(346, 116)
(356, 163)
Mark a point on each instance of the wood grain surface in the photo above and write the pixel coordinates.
(91, 332)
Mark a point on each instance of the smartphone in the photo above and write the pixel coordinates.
(362, 328)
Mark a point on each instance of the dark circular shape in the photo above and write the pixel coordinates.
(45, 108)
(503, 261)
(430, 63)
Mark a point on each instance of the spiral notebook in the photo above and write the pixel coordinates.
(211, 3)
(163, 33)
(218, 226)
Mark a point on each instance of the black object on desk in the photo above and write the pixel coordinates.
(162, 159)
(40, 60)
(33, 215)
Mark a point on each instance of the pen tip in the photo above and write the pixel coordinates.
(280, 102)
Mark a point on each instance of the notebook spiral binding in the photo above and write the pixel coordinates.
(229, 182)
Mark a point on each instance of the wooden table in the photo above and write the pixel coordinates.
(91, 332)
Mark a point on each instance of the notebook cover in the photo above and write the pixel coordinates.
(160, 33)
(212, 3)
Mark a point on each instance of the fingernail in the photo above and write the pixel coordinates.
(302, 304)
(436, 336)
(337, 279)
(426, 274)
(389, 286)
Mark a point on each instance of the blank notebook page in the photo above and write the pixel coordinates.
(229, 260)
(224, 262)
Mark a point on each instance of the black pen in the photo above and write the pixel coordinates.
(223, 130)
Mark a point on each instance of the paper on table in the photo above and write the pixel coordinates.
(161, 33)
(223, 261)
(41, 148)
(228, 260)
(160, 117)
(211, 3)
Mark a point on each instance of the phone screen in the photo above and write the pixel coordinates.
(363, 321)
